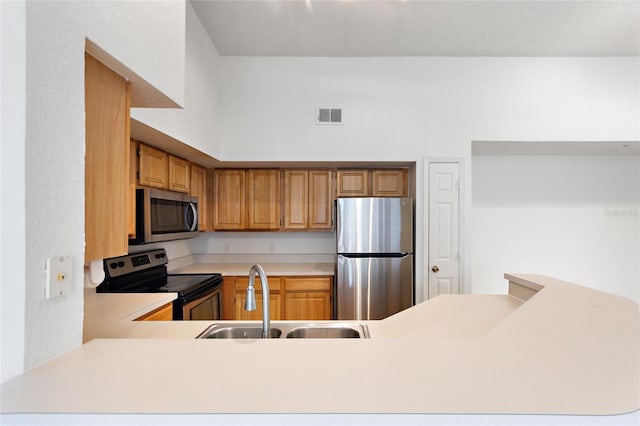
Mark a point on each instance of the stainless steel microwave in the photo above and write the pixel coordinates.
(164, 215)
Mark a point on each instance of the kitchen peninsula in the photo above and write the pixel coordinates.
(548, 347)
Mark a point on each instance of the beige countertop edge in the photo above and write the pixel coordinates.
(569, 350)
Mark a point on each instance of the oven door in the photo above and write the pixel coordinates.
(207, 307)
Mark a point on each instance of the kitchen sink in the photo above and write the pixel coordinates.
(280, 330)
(339, 331)
(227, 332)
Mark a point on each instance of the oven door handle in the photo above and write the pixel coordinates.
(194, 212)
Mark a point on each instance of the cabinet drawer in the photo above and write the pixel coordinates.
(241, 283)
(308, 284)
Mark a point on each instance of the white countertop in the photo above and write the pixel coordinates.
(566, 350)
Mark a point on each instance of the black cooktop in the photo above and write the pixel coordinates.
(146, 272)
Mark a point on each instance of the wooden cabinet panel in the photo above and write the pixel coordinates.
(320, 199)
(275, 308)
(107, 102)
(240, 297)
(131, 193)
(229, 200)
(263, 199)
(179, 175)
(308, 199)
(296, 206)
(389, 183)
(163, 313)
(352, 183)
(208, 218)
(291, 298)
(153, 167)
(307, 298)
(307, 284)
(275, 283)
(307, 306)
(199, 189)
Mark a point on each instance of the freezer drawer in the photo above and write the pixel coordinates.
(371, 288)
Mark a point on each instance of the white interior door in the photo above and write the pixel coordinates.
(444, 228)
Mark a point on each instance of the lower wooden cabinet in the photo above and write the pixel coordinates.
(290, 298)
(307, 298)
(163, 313)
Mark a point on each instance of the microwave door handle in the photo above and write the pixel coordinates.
(191, 226)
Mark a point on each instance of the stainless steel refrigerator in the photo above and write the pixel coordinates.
(374, 257)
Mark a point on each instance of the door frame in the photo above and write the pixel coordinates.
(462, 212)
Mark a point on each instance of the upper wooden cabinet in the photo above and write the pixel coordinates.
(131, 193)
(372, 183)
(308, 200)
(199, 189)
(107, 102)
(229, 200)
(295, 199)
(352, 183)
(179, 174)
(321, 199)
(153, 167)
(389, 183)
(263, 199)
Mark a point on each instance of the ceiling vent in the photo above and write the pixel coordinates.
(329, 116)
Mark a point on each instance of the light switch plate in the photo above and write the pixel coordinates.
(58, 276)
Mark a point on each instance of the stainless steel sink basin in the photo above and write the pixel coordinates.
(339, 331)
(247, 330)
(217, 332)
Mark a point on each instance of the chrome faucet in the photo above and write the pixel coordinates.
(250, 304)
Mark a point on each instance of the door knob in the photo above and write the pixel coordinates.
(435, 269)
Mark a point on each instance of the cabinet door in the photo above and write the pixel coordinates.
(163, 313)
(352, 183)
(240, 297)
(307, 298)
(229, 200)
(199, 189)
(107, 101)
(307, 306)
(263, 199)
(153, 167)
(389, 183)
(295, 195)
(179, 175)
(274, 307)
(320, 199)
(131, 193)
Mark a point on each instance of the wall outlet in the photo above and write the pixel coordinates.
(227, 247)
(58, 276)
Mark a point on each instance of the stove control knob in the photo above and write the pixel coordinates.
(160, 255)
(121, 264)
(113, 265)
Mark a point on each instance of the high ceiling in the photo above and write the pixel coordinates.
(422, 27)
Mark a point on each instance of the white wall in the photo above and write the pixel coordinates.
(148, 38)
(12, 211)
(571, 217)
(279, 243)
(406, 109)
(197, 123)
